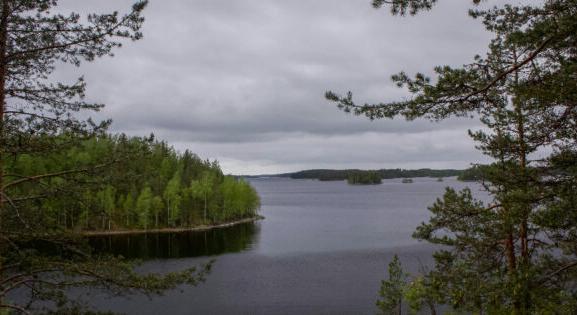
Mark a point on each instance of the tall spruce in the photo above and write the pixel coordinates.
(517, 253)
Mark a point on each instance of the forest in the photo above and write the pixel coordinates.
(142, 184)
(474, 173)
(62, 173)
(364, 178)
(328, 174)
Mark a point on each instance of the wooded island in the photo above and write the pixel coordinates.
(364, 178)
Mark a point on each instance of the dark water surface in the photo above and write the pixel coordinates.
(152, 246)
(322, 249)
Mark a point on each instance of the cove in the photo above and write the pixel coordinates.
(322, 249)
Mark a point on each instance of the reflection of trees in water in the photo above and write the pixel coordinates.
(175, 245)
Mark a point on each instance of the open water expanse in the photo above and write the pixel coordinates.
(322, 249)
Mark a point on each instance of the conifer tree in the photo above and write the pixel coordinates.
(40, 117)
(511, 255)
(392, 290)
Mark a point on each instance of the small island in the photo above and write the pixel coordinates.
(407, 180)
(364, 178)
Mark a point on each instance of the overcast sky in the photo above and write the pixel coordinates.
(243, 81)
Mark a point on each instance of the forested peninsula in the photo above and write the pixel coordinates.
(134, 184)
(62, 174)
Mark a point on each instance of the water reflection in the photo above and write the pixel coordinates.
(178, 245)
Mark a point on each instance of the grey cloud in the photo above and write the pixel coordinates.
(437, 149)
(228, 77)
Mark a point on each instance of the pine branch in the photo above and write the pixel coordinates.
(57, 174)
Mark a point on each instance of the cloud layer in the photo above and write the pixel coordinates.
(243, 81)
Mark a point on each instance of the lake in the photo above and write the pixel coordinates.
(322, 249)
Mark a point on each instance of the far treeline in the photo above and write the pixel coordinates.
(329, 175)
(146, 184)
(364, 178)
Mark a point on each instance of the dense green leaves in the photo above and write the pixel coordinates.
(391, 292)
(471, 174)
(145, 185)
(364, 178)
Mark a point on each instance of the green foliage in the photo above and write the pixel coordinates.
(516, 253)
(402, 7)
(418, 294)
(143, 207)
(148, 185)
(50, 271)
(172, 195)
(238, 197)
(472, 174)
(364, 178)
(203, 188)
(392, 290)
(59, 172)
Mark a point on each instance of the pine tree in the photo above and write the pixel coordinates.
(511, 255)
(39, 117)
(392, 290)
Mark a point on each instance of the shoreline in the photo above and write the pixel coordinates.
(200, 228)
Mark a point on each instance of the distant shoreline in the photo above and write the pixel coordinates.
(343, 174)
(201, 228)
(341, 180)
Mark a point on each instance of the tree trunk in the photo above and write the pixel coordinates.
(523, 172)
(510, 252)
(205, 208)
(3, 71)
(525, 299)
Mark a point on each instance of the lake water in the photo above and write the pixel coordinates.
(322, 249)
